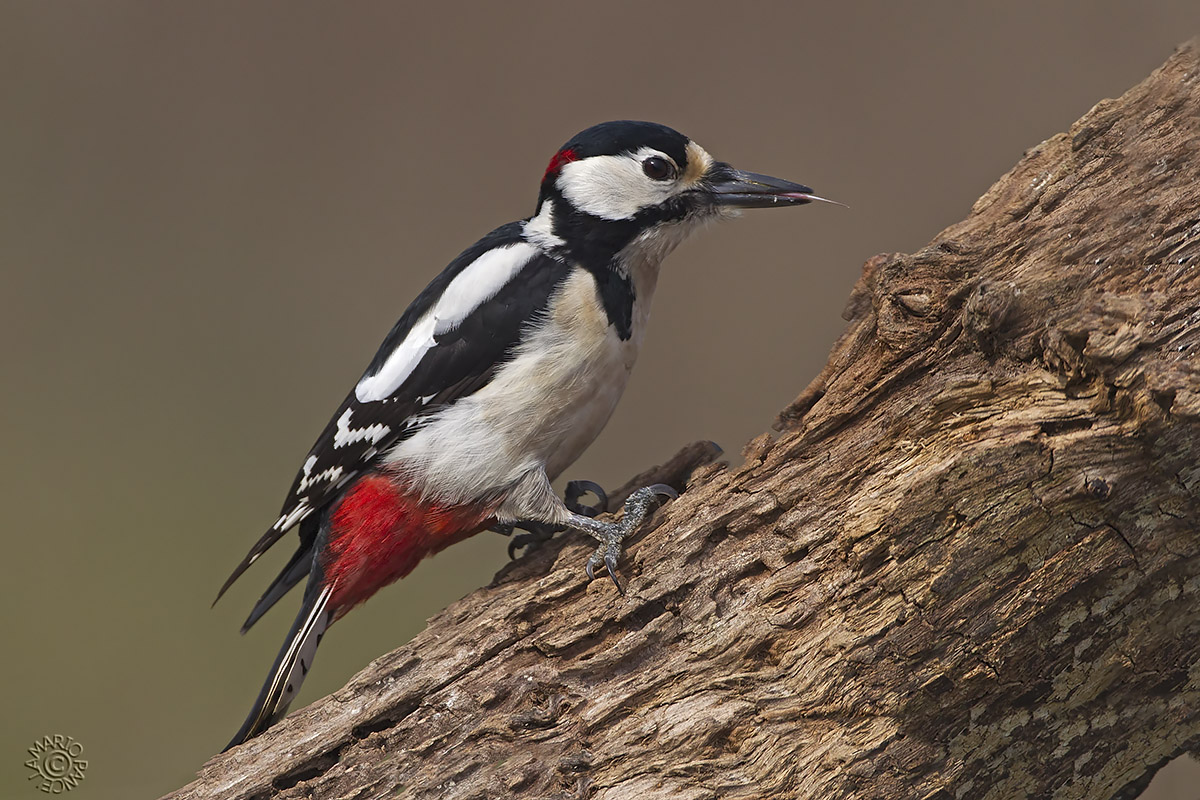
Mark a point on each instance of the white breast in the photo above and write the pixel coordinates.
(541, 410)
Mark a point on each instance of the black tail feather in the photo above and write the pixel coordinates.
(292, 573)
(292, 664)
(308, 534)
(261, 546)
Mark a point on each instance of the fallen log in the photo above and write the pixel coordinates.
(967, 566)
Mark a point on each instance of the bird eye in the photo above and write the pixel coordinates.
(658, 168)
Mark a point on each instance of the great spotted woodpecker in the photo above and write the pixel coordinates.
(496, 379)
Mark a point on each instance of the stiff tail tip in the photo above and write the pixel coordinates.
(290, 668)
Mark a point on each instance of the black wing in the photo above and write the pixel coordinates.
(461, 361)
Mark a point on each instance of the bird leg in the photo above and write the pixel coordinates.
(611, 535)
(537, 533)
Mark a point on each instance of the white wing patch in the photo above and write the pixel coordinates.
(479, 282)
(345, 435)
(307, 479)
(295, 515)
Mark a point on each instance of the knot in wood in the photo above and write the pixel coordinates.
(1098, 488)
(986, 311)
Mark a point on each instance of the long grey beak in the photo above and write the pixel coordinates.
(738, 189)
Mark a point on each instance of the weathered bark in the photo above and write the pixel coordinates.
(968, 566)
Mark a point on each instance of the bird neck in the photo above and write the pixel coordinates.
(601, 244)
(622, 255)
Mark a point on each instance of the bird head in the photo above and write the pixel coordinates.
(619, 180)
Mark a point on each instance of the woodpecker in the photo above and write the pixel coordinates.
(493, 381)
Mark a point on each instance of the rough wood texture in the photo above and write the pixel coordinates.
(968, 566)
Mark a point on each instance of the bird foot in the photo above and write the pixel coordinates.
(538, 533)
(535, 535)
(611, 535)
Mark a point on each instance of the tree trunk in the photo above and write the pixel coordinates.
(967, 567)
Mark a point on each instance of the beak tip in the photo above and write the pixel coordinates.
(750, 190)
(812, 196)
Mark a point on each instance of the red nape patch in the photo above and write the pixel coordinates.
(379, 532)
(556, 163)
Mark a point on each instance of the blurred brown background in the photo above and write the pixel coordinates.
(211, 213)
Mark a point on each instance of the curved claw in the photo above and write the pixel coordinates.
(577, 489)
(610, 561)
(663, 490)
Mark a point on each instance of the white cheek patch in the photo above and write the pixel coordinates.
(479, 282)
(613, 187)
